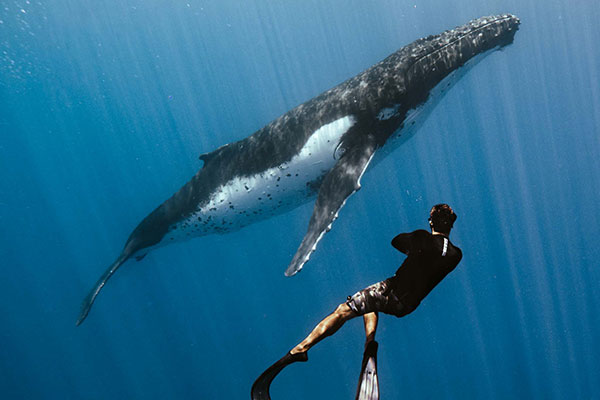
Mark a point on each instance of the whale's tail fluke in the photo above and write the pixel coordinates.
(89, 300)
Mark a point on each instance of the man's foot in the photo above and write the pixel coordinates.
(298, 353)
(260, 388)
(298, 357)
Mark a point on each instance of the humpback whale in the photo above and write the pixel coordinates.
(320, 148)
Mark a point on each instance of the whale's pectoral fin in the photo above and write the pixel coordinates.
(341, 182)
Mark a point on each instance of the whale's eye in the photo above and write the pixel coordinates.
(339, 151)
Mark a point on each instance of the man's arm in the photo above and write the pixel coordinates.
(402, 242)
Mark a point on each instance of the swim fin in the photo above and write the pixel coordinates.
(260, 388)
(368, 384)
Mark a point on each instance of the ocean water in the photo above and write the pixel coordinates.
(104, 109)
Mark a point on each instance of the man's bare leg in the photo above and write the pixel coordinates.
(327, 327)
(370, 326)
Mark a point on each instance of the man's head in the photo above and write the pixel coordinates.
(441, 218)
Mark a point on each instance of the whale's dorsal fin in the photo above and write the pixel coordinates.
(206, 157)
(339, 184)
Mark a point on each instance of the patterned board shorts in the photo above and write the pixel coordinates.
(377, 297)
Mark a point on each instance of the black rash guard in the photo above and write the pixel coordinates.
(430, 259)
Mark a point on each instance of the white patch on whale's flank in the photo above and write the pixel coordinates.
(246, 199)
(324, 139)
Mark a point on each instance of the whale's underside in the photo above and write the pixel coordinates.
(320, 148)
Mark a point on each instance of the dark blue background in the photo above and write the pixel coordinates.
(104, 109)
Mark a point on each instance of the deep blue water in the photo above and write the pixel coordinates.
(104, 109)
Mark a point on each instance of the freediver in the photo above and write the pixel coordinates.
(430, 257)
